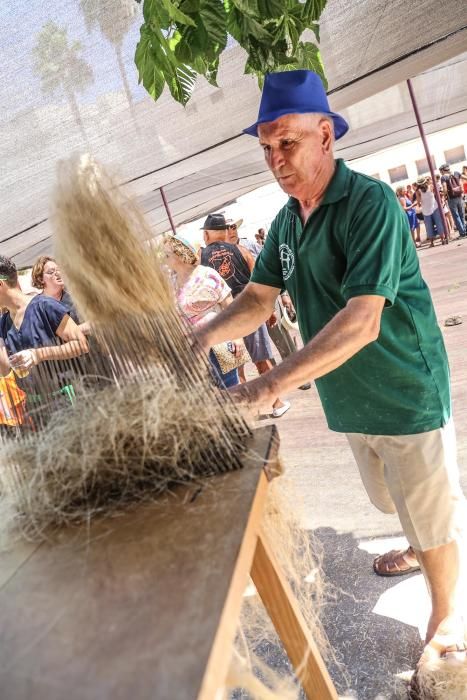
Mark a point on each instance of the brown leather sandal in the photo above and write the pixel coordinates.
(395, 563)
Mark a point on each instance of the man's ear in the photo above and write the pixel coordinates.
(326, 135)
(205, 237)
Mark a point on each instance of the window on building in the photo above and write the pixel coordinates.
(398, 174)
(422, 165)
(376, 176)
(455, 155)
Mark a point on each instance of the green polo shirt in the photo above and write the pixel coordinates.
(358, 242)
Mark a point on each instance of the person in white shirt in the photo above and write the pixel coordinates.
(432, 216)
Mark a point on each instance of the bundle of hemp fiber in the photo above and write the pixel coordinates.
(137, 413)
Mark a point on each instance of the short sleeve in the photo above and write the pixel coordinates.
(218, 285)
(374, 243)
(268, 269)
(53, 312)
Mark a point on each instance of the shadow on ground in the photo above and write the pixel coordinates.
(370, 649)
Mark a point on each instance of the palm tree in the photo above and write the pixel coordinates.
(114, 20)
(60, 66)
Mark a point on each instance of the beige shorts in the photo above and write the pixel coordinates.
(416, 476)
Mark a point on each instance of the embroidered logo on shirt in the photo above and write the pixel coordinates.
(287, 259)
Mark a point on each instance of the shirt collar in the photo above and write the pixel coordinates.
(337, 189)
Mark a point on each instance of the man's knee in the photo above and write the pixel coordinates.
(384, 506)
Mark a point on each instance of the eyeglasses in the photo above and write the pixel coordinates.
(51, 273)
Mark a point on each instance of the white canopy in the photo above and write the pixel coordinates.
(197, 153)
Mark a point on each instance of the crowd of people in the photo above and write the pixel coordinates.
(40, 324)
(208, 281)
(420, 204)
(40, 327)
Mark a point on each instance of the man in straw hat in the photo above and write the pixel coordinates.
(341, 247)
(233, 236)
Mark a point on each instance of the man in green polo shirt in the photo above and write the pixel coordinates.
(341, 247)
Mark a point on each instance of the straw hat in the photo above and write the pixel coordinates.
(181, 248)
(237, 223)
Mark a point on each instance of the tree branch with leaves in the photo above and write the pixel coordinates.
(181, 39)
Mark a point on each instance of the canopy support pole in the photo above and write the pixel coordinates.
(428, 154)
(167, 209)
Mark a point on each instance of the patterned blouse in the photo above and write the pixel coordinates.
(200, 296)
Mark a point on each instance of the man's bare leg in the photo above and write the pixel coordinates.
(441, 568)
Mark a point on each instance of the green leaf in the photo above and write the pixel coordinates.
(214, 19)
(193, 44)
(175, 13)
(189, 6)
(181, 82)
(211, 73)
(208, 39)
(248, 7)
(312, 10)
(184, 38)
(292, 33)
(315, 29)
(270, 8)
(153, 12)
(240, 26)
(149, 72)
(308, 56)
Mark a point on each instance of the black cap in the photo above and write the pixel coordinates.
(214, 222)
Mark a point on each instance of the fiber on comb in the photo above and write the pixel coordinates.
(143, 411)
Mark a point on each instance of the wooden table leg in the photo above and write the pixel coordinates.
(282, 607)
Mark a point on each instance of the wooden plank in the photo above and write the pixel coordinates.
(132, 607)
(219, 661)
(283, 610)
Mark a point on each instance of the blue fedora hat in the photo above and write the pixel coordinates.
(294, 92)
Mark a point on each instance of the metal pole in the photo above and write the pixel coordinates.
(166, 205)
(428, 155)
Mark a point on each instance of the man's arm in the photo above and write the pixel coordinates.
(243, 316)
(249, 259)
(352, 328)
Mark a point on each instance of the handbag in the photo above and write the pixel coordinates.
(226, 357)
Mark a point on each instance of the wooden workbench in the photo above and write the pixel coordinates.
(144, 606)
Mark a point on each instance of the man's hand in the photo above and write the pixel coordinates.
(255, 395)
(272, 321)
(24, 359)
